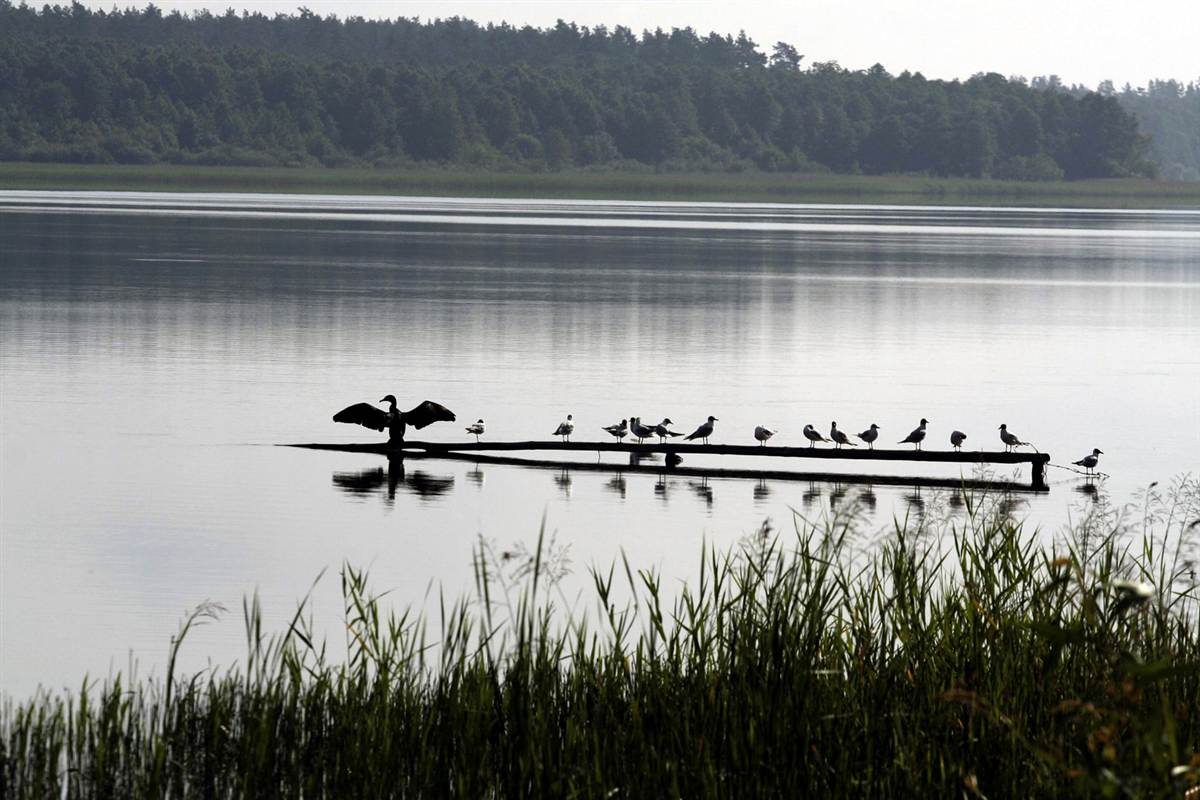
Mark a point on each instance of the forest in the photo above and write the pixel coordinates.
(143, 86)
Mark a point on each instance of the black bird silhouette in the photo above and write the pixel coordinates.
(393, 420)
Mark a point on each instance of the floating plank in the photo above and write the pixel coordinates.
(1037, 461)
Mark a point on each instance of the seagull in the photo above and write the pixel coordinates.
(813, 437)
(1089, 462)
(839, 437)
(565, 428)
(957, 438)
(704, 431)
(620, 430)
(1010, 440)
(916, 436)
(661, 431)
(869, 435)
(639, 430)
(393, 419)
(762, 434)
(476, 428)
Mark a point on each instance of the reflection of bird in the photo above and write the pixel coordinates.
(869, 435)
(394, 420)
(811, 495)
(867, 497)
(662, 431)
(1089, 462)
(476, 428)
(1010, 439)
(957, 438)
(565, 428)
(475, 475)
(1088, 488)
(916, 502)
(702, 489)
(366, 482)
(917, 436)
(563, 479)
(639, 430)
(839, 437)
(704, 431)
(617, 484)
(836, 494)
(761, 490)
(813, 437)
(620, 430)
(762, 433)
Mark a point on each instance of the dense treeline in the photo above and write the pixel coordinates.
(1169, 112)
(141, 86)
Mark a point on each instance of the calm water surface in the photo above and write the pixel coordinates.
(154, 347)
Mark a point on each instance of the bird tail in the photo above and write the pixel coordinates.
(673, 433)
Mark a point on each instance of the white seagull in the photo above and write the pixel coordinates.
(662, 432)
(813, 437)
(565, 428)
(957, 438)
(762, 433)
(839, 437)
(704, 431)
(1010, 440)
(620, 430)
(917, 436)
(869, 435)
(476, 428)
(639, 430)
(1089, 462)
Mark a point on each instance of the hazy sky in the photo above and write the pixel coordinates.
(1083, 41)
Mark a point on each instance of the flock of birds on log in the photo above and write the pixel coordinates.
(395, 421)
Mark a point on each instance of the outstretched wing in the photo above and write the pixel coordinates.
(427, 413)
(363, 414)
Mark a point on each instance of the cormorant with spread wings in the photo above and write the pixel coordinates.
(393, 420)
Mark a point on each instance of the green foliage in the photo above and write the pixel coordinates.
(132, 86)
(952, 660)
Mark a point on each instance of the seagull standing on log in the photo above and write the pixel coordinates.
(620, 430)
(704, 431)
(565, 428)
(869, 435)
(477, 429)
(762, 433)
(393, 420)
(839, 437)
(917, 436)
(813, 435)
(1011, 440)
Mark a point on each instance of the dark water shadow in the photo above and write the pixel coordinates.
(386, 482)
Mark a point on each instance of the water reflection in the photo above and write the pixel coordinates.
(702, 490)
(386, 481)
(563, 481)
(617, 485)
(762, 490)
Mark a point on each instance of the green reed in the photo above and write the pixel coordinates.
(955, 658)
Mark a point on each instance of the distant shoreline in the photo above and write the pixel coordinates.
(731, 187)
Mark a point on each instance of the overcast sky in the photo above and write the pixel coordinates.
(1082, 41)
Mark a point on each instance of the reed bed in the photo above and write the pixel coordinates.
(960, 659)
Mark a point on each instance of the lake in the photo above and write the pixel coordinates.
(155, 347)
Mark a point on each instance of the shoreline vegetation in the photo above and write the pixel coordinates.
(939, 659)
(606, 185)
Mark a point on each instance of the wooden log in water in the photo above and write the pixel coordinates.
(1037, 461)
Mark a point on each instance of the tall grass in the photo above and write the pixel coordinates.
(983, 665)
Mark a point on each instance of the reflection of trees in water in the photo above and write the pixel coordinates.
(378, 480)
